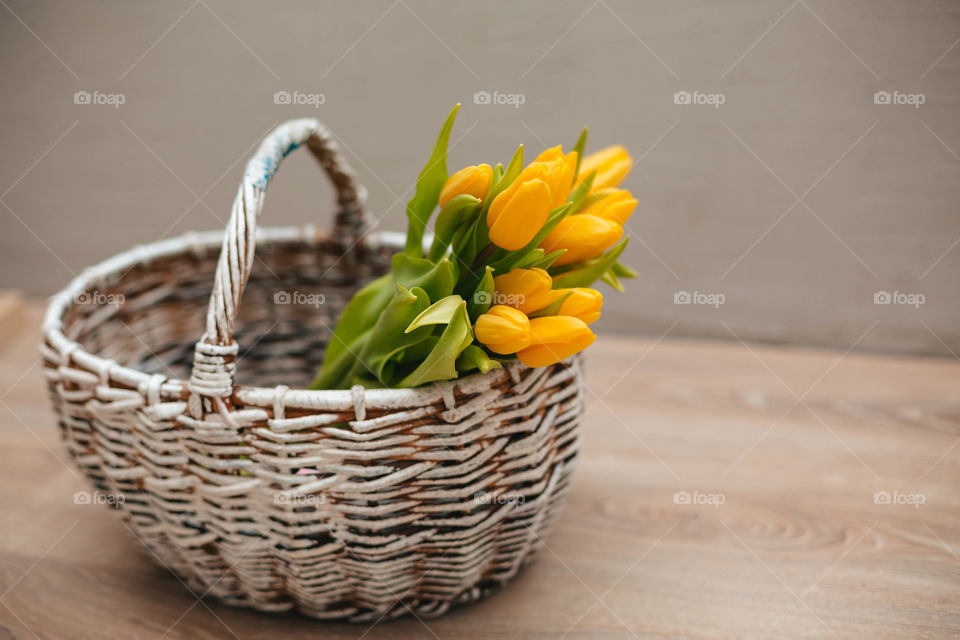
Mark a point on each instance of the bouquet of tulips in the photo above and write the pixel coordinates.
(506, 275)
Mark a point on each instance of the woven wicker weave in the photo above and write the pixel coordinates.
(340, 504)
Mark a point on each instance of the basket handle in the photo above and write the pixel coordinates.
(213, 365)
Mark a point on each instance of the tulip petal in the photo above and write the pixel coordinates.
(617, 206)
(524, 289)
(517, 220)
(583, 236)
(611, 164)
(555, 338)
(474, 181)
(582, 303)
(503, 330)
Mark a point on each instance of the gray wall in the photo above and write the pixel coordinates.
(797, 199)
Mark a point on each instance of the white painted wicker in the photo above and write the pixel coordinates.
(340, 504)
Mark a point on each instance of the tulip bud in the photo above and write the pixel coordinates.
(561, 172)
(555, 338)
(503, 330)
(524, 289)
(583, 236)
(581, 303)
(615, 205)
(518, 213)
(611, 164)
(473, 180)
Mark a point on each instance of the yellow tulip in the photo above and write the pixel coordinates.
(582, 303)
(519, 211)
(583, 236)
(611, 164)
(561, 172)
(615, 205)
(555, 338)
(517, 214)
(523, 289)
(473, 180)
(503, 330)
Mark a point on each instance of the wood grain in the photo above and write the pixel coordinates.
(798, 548)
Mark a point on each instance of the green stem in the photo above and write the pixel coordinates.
(481, 258)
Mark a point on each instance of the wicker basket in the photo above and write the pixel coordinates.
(340, 504)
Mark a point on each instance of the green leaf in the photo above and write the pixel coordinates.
(497, 173)
(579, 194)
(474, 357)
(579, 147)
(367, 382)
(481, 234)
(454, 214)
(589, 271)
(437, 279)
(610, 278)
(388, 337)
(509, 175)
(553, 308)
(367, 307)
(429, 184)
(529, 259)
(482, 297)
(357, 317)
(465, 248)
(441, 363)
(414, 354)
(594, 196)
(440, 312)
(623, 271)
(335, 369)
(547, 261)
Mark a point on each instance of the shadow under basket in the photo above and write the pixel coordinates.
(351, 504)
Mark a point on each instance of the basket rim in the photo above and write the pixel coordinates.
(176, 389)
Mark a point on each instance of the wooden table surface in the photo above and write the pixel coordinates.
(723, 491)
